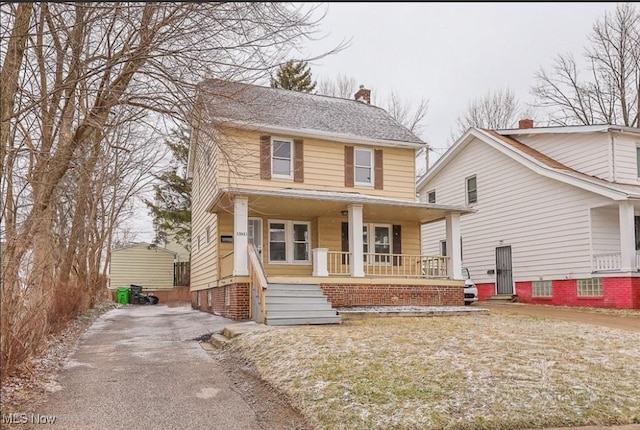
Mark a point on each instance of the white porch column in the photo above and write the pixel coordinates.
(320, 262)
(240, 236)
(454, 263)
(627, 236)
(355, 241)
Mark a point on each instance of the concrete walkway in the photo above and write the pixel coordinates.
(139, 367)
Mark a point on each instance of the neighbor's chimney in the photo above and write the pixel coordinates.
(525, 123)
(363, 95)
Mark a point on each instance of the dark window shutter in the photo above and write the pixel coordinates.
(265, 157)
(345, 241)
(378, 172)
(397, 243)
(298, 161)
(348, 166)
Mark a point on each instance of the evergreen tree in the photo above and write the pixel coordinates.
(294, 76)
(171, 209)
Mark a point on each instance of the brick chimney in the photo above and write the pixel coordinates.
(525, 123)
(363, 95)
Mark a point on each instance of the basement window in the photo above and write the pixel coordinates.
(590, 287)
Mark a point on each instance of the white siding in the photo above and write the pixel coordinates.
(588, 153)
(605, 227)
(151, 268)
(625, 155)
(547, 223)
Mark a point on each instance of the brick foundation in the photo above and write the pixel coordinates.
(237, 307)
(392, 295)
(618, 292)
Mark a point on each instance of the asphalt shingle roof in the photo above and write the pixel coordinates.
(295, 110)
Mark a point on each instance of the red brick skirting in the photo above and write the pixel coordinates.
(213, 300)
(389, 295)
(617, 292)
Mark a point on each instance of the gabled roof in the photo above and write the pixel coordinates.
(301, 113)
(146, 245)
(536, 161)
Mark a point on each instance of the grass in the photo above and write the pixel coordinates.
(464, 372)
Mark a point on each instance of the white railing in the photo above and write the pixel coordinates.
(398, 265)
(338, 263)
(611, 261)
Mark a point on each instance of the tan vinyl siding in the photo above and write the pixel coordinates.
(323, 167)
(204, 261)
(151, 268)
(546, 222)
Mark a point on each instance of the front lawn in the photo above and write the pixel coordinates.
(460, 372)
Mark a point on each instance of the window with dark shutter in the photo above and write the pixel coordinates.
(298, 161)
(265, 157)
(348, 166)
(378, 176)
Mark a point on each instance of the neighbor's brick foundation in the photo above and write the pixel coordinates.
(622, 293)
(237, 307)
(389, 295)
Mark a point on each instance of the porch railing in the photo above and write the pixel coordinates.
(611, 261)
(258, 285)
(399, 265)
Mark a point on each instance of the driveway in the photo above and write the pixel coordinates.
(141, 367)
(625, 321)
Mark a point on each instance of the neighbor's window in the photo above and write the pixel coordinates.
(282, 158)
(363, 166)
(590, 287)
(289, 241)
(431, 196)
(208, 298)
(638, 160)
(472, 190)
(208, 234)
(542, 289)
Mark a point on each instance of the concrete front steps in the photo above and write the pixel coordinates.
(220, 340)
(502, 299)
(298, 304)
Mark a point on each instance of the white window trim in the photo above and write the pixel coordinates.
(371, 243)
(434, 196)
(372, 181)
(466, 189)
(289, 242)
(278, 175)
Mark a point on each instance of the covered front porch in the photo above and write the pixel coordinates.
(615, 238)
(328, 235)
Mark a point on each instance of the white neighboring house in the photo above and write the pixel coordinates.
(557, 217)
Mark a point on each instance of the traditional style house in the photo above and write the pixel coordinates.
(558, 212)
(303, 203)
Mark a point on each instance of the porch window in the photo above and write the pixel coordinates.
(638, 160)
(472, 190)
(289, 241)
(381, 244)
(282, 158)
(376, 238)
(363, 166)
(590, 287)
(542, 289)
(636, 219)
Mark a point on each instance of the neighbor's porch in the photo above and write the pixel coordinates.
(615, 238)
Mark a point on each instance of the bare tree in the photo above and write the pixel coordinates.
(74, 76)
(495, 110)
(610, 91)
(342, 86)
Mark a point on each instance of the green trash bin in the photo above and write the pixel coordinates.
(123, 295)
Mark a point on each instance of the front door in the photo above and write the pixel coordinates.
(504, 276)
(255, 234)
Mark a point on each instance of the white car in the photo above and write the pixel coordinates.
(470, 289)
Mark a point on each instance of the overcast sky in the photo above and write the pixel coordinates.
(450, 53)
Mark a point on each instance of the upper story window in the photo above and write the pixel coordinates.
(472, 190)
(638, 160)
(282, 158)
(431, 196)
(363, 166)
